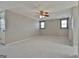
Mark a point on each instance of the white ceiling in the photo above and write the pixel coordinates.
(31, 7)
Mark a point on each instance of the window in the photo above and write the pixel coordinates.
(42, 24)
(64, 23)
(2, 24)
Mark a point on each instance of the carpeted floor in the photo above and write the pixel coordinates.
(39, 47)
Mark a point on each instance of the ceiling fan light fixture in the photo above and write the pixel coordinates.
(41, 16)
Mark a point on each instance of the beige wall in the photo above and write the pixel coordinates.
(78, 28)
(75, 29)
(53, 28)
(19, 27)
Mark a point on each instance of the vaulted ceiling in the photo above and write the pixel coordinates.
(31, 7)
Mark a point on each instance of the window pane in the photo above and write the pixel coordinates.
(2, 21)
(42, 24)
(2, 24)
(64, 23)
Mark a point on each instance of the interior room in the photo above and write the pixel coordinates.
(39, 29)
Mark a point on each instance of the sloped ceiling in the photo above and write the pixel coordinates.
(27, 8)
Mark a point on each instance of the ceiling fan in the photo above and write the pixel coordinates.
(41, 11)
(43, 14)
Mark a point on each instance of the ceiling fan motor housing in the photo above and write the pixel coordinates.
(44, 13)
